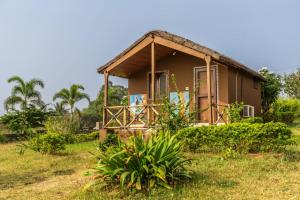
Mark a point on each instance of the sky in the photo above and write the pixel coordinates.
(64, 41)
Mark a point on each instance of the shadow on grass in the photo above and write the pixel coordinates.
(63, 153)
(291, 156)
(202, 179)
(64, 172)
(13, 180)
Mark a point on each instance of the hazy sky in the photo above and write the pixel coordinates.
(64, 41)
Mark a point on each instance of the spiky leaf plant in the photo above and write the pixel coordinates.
(142, 165)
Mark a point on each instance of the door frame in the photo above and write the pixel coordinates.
(216, 71)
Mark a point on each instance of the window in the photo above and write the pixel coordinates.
(248, 111)
(161, 84)
(255, 83)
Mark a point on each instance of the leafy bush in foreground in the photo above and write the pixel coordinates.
(111, 140)
(144, 164)
(239, 137)
(50, 143)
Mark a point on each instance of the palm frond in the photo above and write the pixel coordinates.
(11, 102)
(35, 95)
(17, 80)
(78, 112)
(18, 90)
(63, 94)
(80, 96)
(36, 82)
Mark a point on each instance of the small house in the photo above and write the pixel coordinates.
(205, 78)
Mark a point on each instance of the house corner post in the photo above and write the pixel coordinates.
(153, 72)
(208, 75)
(105, 101)
(151, 116)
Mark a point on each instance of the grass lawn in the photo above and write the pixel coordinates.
(257, 176)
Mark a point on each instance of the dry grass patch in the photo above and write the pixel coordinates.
(36, 176)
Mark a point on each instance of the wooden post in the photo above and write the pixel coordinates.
(153, 72)
(105, 101)
(151, 119)
(124, 116)
(208, 74)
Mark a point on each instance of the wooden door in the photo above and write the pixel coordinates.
(202, 94)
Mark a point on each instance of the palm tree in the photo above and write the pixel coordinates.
(24, 94)
(58, 108)
(71, 96)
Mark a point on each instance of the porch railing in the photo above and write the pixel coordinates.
(221, 113)
(137, 116)
(145, 116)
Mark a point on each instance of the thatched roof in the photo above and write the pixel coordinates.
(216, 56)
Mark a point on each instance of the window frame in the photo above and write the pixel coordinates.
(166, 72)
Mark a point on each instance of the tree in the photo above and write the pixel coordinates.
(71, 96)
(59, 108)
(270, 89)
(292, 84)
(24, 121)
(117, 95)
(24, 94)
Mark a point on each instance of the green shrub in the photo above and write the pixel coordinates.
(142, 165)
(22, 122)
(111, 140)
(252, 120)
(69, 138)
(13, 137)
(240, 137)
(234, 112)
(286, 110)
(50, 143)
(175, 115)
(62, 125)
(85, 137)
(78, 138)
(3, 139)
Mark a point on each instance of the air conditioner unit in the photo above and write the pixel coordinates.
(248, 111)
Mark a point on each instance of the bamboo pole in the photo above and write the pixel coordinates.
(105, 101)
(153, 72)
(208, 71)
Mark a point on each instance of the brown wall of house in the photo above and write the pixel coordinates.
(181, 65)
(241, 88)
(223, 84)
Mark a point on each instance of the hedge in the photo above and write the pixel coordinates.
(84, 137)
(240, 137)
